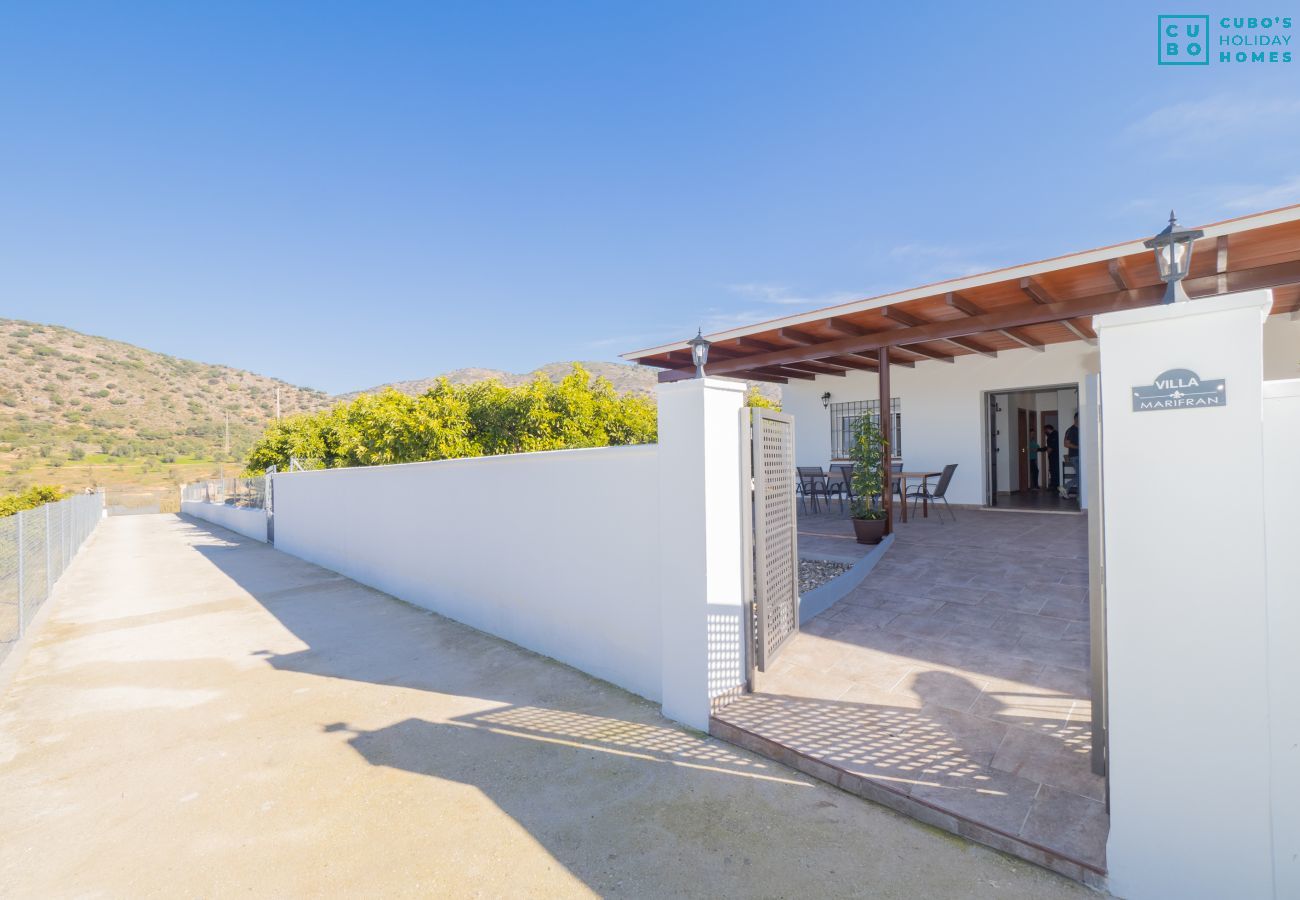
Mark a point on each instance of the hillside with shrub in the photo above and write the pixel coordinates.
(68, 395)
(81, 411)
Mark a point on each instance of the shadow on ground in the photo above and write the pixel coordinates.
(621, 798)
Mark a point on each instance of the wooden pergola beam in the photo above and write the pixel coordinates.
(845, 327)
(930, 354)
(749, 343)
(973, 346)
(783, 372)
(902, 317)
(1221, 263)
(1035, 291)
(1080, 329)
(1119, 274)
(962, 304)
(1260, 277)
(798, 337)
(817, 367)
(1023, 338)
(853, 362)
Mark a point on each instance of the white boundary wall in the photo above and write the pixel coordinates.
(1192, 638)
(558, 552)
(1281, 503)
(248, 522)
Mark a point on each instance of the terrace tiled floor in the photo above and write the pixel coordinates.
(956, 675)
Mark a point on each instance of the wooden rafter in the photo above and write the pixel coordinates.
(930, 354)
(1023, 338)
(816, 367)
(1080, 329)
(1001, 319)
(853, 362)
(1119, 274)
(972, 345)
(1035, 291)
(799, 337)
(902, 317)
(1221, 263)
(844, 327)
(961, 303)
(784, 372)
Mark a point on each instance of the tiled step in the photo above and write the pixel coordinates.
(920, 810)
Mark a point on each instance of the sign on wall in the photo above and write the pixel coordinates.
(1179, 389)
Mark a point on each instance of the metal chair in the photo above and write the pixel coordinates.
(940, 489)
(840, 483)
(812, 484)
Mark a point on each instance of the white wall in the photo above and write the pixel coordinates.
(943, 407)
(703, 573)
(1282, 499)
(1282, 347)
(557, 552)
(248, 522)
(1187, 631)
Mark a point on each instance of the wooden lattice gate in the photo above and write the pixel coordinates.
(773, 529)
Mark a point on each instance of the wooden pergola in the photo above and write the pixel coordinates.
(1026, 306)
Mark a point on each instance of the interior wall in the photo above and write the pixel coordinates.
(1003, 420)
(943, 407)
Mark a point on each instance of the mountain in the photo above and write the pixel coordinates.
(68, 395)
(624, 377)
(78, 410)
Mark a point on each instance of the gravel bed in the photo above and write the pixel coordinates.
(814, 573)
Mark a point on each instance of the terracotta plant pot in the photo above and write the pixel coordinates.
(869, 531)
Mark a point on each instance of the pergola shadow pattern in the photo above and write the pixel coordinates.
(951, 685)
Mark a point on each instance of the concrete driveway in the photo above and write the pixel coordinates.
(201, 715)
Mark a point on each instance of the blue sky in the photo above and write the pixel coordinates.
(345, 194)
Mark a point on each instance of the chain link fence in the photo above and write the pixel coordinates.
(36, 546)
(249, 493)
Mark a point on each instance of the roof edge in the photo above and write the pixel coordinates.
(965, 282)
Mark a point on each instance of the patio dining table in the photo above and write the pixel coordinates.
(901, 478)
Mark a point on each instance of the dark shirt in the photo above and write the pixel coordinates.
(1053, 442)
(1072, 438)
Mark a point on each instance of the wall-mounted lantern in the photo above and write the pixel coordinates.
(826, 400)
(699, 351)
(1173, 248)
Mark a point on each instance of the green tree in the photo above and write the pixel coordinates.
(34, 496)
(756, 399)
(453, 421)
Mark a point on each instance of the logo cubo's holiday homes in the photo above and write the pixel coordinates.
(1186, 40)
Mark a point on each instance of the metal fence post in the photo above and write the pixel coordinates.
(21, 575)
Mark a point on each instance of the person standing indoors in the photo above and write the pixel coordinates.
(1033, 459)
(1053, 457)
(1072, 456)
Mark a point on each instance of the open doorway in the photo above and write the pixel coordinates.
(1033, 460)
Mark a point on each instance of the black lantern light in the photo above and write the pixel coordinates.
(1173, 248)
(826, 400)
(699, 352)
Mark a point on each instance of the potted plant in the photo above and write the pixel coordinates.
(870, 481)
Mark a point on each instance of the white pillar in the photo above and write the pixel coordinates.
(700, 539)
(1281, 475)
(1186, 601)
